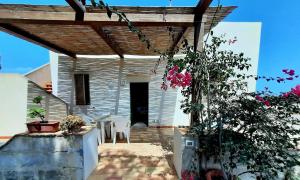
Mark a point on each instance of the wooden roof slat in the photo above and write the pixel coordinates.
(13, 30)
(111, 43)
(55, 15)
(57, 25)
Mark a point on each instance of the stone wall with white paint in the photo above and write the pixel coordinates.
(57, 109)
(104, 73)
(49, 156)
(13, 106)
(16, 95)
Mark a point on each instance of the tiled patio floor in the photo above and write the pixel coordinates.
(148, 156)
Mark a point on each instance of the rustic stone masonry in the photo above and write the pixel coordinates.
(104, 74)
(49, 156)
(57, 107)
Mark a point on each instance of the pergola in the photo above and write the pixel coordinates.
(85, 30)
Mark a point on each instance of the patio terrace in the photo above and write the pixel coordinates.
(148, 156)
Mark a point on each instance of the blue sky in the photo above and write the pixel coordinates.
(280, 40)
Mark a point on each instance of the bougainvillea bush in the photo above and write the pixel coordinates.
(258, 130)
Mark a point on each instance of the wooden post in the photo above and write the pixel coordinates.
(198, 33)
(121, 67)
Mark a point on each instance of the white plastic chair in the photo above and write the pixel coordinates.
(90, 121)
(121, 125)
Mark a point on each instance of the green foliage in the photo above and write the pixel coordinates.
(230, 122)
(37, 110)
(71, 124)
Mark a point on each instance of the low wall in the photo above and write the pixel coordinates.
(49, 156)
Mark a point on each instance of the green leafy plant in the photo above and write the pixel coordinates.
(37, 110)
(237, 127)
(72, 124)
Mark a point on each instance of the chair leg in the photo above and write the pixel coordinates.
(99, 136)
(114, 137)
(128, 137)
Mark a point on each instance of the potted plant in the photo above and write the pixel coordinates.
(71, 124)
(42, 125)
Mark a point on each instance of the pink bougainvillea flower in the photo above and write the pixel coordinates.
(267, 103)
(296, 90)
(292, 72)
(182, 79)
(287, 94)
(259, 98)
(289, 72)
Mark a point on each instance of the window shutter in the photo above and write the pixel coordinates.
(82, 89)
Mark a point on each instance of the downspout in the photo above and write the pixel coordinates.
(72, 95)
(121, 67)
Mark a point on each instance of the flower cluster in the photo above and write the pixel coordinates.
(289, 72)
(261, 99)
(179, 79)
(295, 91)
(187, 175)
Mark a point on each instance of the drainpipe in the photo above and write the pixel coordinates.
(72, 95)
(121, 67)
(47, 107)
(161, 107)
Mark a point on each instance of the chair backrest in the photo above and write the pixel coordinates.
(121, 123)
(87, 119)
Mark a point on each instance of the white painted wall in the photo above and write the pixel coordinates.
(13, 104)
(54, 71)
(248, 42)
(90, 153)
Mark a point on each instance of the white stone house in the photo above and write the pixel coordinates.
(130, 88)
(100, 66)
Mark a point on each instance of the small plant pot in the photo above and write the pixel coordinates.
(43, 127)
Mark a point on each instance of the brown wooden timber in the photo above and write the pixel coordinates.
(68, 18)
(199, 12)
(179, 39)
(13, 30)
(79, 8)
(113, 45)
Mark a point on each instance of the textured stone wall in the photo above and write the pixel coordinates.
(104, 75)
(45, 157)
(57, 107)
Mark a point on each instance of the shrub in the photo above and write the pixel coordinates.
(71, 124)
(37, 110)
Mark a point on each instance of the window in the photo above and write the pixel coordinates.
(82, 89)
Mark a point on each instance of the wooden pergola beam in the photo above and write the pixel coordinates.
(110, 42)
(18, 32)
(179, 39)
(199, 11)
(79, 8)
(100, 19)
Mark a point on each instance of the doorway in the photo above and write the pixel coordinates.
(139, 100)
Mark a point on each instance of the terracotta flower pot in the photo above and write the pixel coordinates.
(213, 174)
(43, 127)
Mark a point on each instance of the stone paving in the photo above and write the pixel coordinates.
(148, 156)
